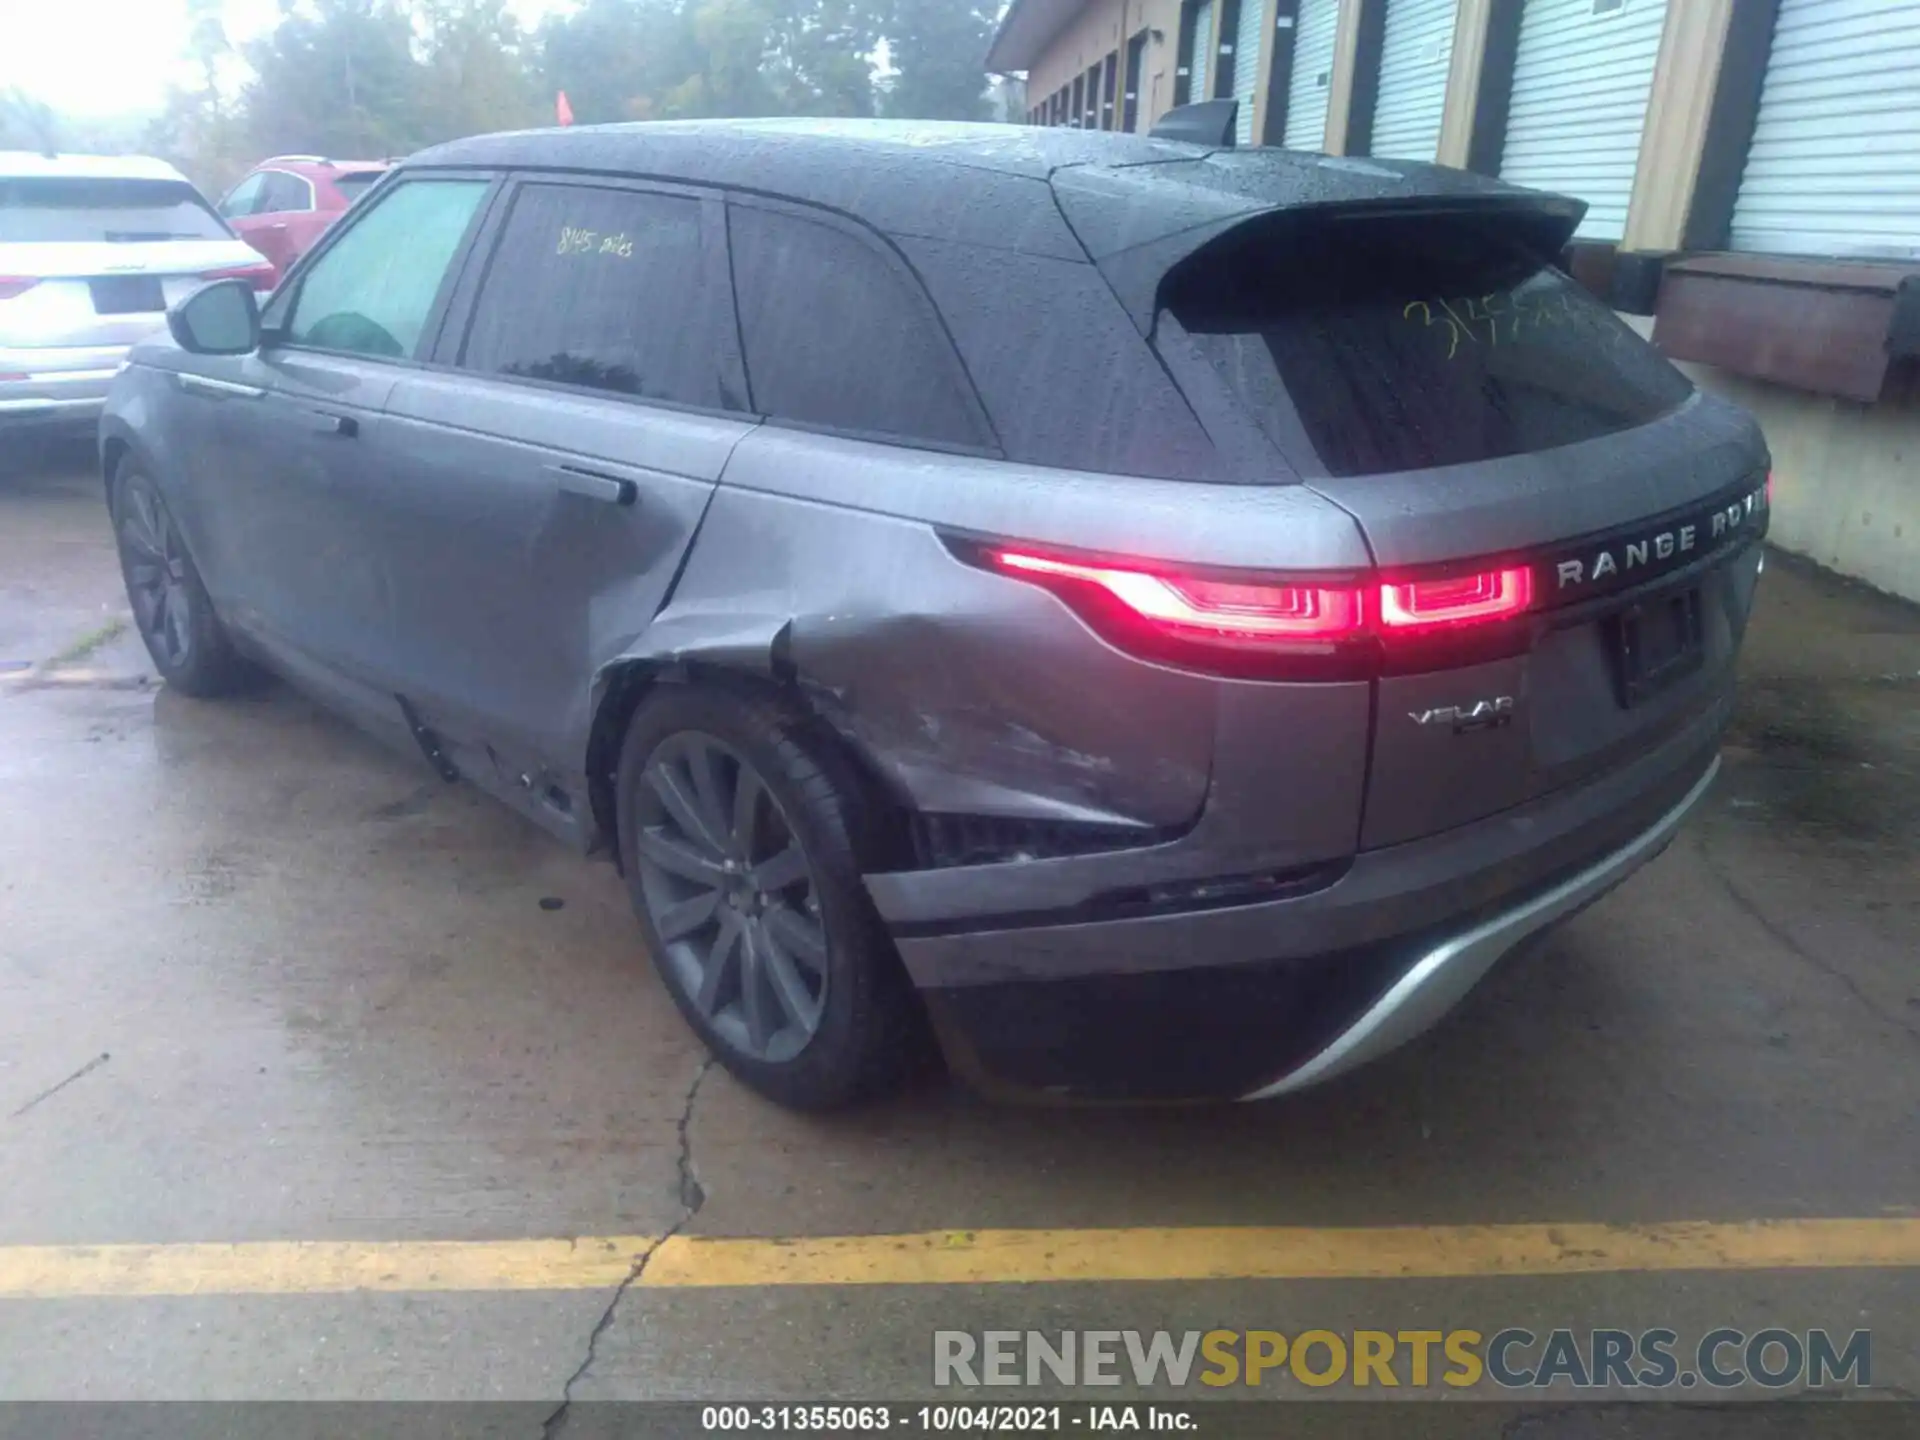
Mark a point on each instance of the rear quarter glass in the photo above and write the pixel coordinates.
(1067, 379)
(1411, 343)
(841, 336)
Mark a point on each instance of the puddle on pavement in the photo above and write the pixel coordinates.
(1835, 761)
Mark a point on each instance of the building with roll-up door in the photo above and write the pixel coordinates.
(1751, 170)
(1310, 74)
(1410, 96)
(1577, 102)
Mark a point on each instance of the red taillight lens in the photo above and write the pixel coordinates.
(12, 285)
(1277, 628)
(1459, 600)
(262, 276)
(1230, 612)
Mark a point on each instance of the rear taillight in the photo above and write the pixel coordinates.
(1457, 600)
(12, 285)
(1229, 612)
(261, 276)
(1280, 627)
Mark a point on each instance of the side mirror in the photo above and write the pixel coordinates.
(218, 319)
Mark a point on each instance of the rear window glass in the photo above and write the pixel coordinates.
(1401, 344)
(74, 208)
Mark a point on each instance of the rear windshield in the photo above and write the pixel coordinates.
(72, 208)
(354, 185)
(1401, 344)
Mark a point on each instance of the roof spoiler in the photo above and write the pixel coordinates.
(1208, 123)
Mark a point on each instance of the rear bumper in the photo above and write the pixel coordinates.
(1441, 977)
(1258, 999)
(56, 385)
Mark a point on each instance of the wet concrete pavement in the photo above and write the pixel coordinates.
(262, 980)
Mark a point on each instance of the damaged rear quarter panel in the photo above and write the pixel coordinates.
(967, 691)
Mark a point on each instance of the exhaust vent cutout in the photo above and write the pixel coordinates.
(941, 841)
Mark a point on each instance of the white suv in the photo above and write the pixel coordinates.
(93, 249)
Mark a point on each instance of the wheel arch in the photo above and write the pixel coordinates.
(623, 685)
(116, 445)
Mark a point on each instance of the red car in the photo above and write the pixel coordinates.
(284, 204)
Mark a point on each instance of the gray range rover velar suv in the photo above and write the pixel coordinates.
(1169, 617)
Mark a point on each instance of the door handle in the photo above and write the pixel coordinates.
(592, 485)
(216, 389)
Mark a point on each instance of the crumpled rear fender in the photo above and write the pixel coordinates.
(964, 692)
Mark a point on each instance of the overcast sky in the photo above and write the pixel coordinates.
(114, 57)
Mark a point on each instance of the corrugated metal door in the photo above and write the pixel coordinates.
(1247, 39)
(1835, 163)
(1581, 78)
(1414, 53)
(1311, 83)
(1202, 53)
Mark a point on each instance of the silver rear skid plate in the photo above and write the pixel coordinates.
(1443, 976)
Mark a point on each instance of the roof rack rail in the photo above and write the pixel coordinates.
(303, 159)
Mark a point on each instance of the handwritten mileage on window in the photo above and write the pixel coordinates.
(575, 241)
(1502, 317)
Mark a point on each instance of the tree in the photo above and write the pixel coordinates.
(651, 59)
(338, 78)
(27, 123)
(615, 58)
(730, 46)
(372, 78)
(475, 75)
(200, 128)
(821, 54)
(939, 51)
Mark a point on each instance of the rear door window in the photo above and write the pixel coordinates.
(244, 198)
(372, 290)
(282, 193)
(1397, 344)
(840, 335)
(85, 209)
(607, 289)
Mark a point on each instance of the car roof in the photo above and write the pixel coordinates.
(313, 168)
(802, 157)
(1133, 204)
(1013, 149)
(24, 164)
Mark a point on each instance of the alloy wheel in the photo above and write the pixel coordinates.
(156, 569)
(731, 894)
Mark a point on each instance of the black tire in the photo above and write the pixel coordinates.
(866, 1021)
(171, 610)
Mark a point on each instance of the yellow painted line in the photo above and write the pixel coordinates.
(960, 1257)
(305, 1267)
(988, 1257)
